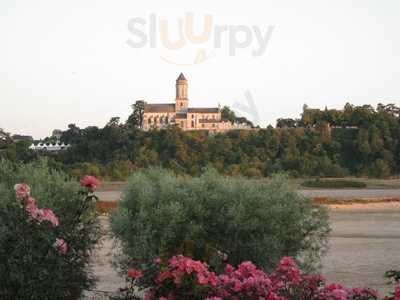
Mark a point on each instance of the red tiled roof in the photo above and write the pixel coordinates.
(162, 107)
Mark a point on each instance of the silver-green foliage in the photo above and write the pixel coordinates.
(160, 214)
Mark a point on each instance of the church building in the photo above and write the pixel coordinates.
(161, 115)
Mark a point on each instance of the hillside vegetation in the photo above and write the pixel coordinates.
(356, 141)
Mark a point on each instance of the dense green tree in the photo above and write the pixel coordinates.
(136, 119)
(230, 115)
(72, 135)
(358, 140)
(286, 123)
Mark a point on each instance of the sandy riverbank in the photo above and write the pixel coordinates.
(364, 243)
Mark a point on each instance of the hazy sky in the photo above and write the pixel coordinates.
(65, 62)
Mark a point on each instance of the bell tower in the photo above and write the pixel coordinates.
(181, 100)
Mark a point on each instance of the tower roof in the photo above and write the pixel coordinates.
(181, 77)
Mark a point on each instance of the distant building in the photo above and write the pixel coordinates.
(58, 146)
(57, 133)
(161, 115)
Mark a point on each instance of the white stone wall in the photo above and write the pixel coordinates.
(49, 147)
(158, 120)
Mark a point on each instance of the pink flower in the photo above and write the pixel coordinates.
(157, 260)
(362, 293)
(37, 214)
(22, 190)
(229, 269)
(90, 182)
(222, 255)
(287, 270)
(40, 215)
(202, 279)
(29, 201)
(134, 274)
(163, 275)
(61, 246)
(397, 292)
(333, 291)
(33, 211)
(48, 215)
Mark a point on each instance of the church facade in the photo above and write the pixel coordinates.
(162, 115)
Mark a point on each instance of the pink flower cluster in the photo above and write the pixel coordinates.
(338, 292)
(22, 192)
(90, 182)
(182, 266)
(184, 278)
(134, 274)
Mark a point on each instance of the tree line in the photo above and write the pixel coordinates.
(357, 141)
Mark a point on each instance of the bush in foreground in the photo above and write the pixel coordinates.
(45, 243)
(212, 216)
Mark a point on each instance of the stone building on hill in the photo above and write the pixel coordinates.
(161, 115)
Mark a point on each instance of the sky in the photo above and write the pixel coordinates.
(83, 62)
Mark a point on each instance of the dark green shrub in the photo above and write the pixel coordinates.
(253, 173)
(115, 170)
(80, 169)
(118, 170)
(30, 265)
(163, 215)
(380, 169)
(334, 183)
